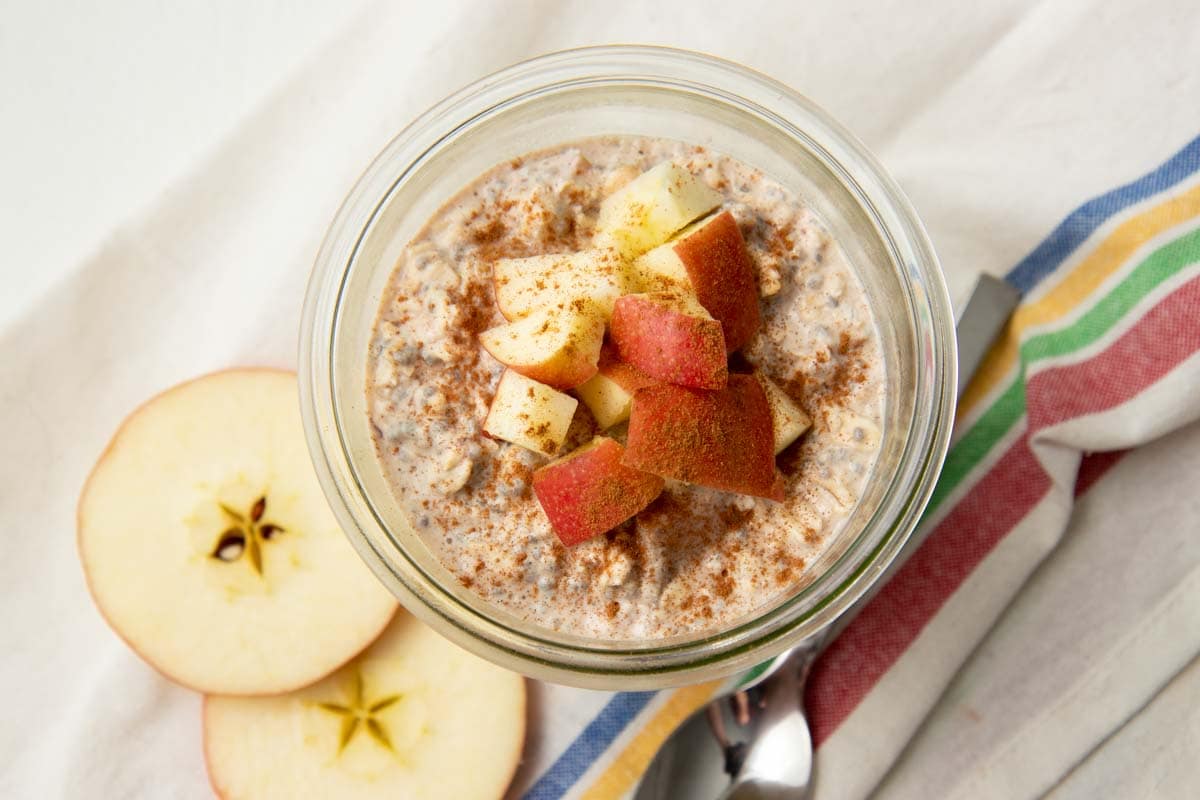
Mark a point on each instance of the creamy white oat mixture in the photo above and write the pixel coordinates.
(696, 559)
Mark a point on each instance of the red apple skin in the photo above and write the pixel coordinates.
(669, 344)
(590, 491)
(723, 277)
(624, 374)
(721, 439)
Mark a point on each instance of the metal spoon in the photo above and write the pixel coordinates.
(777, 764)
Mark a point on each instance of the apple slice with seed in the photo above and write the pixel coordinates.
(589, 491)
(209, 548)
(721, 439)
(413, 716)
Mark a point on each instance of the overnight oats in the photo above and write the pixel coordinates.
(626, 388)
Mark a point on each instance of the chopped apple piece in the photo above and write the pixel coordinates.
(208, 545)
(524, 285)
(413, 716)
(590, 491)
(788, 420)
(609, 392)
(529, 414)
(555, 346)
(721, 439)
(669, 336)
(606, 399)
(660, 270)
(709, 259)
(651, 207)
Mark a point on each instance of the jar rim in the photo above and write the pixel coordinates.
(598, 664)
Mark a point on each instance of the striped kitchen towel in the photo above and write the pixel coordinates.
(1101, 356)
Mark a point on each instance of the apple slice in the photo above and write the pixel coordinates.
(669, 336)
(709, 258)
(524, 285)
(413, 716)
(589, 491)
(651, 207)
(208, 546)
(788, 420)
(609, 393)
(721, 439)
(529, 414)
(555, 346)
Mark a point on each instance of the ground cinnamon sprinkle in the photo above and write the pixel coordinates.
(723, 584)
(490, 233)
(793, 387)
(609, 495)
(732, 517)
(790, 567)
(476, 310)
(850, 370)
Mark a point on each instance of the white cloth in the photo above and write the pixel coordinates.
(998, 121)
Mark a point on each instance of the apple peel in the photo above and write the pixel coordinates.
(720, 439)
(670, 337)
(591, 491)
(710, 258)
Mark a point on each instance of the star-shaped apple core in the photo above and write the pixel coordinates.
(359, 712)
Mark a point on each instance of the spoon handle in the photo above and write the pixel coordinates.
(769, 772)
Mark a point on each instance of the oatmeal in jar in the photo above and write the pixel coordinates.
(626, 388)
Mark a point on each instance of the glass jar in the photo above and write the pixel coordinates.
(646, 91)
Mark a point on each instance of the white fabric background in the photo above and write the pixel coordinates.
(165, 180)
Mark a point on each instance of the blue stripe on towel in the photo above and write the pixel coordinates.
(589, 745)
(1083, 221)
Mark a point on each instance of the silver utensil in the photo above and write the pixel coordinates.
(772, 756)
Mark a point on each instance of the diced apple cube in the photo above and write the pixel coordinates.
(590, 491)
(609, 393)
(553, 345)
(606, 399)
(788, 420)
(710, 260)
(660, 270)
(530, 414)
(670, 337)
(648, 210)
(525, 285)
(721, 439)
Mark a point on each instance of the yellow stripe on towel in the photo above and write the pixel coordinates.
(627, 768)
(1080, 284)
